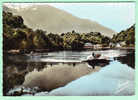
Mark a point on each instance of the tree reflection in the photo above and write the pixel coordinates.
(128, 59)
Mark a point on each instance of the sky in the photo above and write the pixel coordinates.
(116, 16)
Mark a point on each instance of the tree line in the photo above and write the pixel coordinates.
(127, 36)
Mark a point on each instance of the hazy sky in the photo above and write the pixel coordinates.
(117, 16)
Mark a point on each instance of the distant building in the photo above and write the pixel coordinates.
(118, 45)
(112, 45)
(123, 43)
(98, 46)
(88, 46)
(92, 46)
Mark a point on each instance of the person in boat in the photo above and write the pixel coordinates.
(93, 54)
(31, 52)
(96, 55)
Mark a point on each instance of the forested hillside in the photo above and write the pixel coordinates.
(16, 35)
(127, 36)
(19, 36)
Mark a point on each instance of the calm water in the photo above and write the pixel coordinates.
(68, 56)
(21, 67)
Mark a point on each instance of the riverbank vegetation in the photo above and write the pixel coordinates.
(16, 35)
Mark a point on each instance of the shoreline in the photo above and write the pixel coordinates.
(25, 51)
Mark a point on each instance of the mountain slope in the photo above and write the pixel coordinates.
(58, 21)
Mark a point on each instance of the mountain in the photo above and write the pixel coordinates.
(58, 21)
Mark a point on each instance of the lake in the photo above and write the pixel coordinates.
(55, 69)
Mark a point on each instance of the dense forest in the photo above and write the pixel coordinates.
(16, 35)
(127, 36)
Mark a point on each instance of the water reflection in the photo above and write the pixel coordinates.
(113, 79)
(52, 70)
(128, 59)
(98, 62)
(56, 76)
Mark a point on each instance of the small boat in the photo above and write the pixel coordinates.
(93, 60)
(93, 56)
